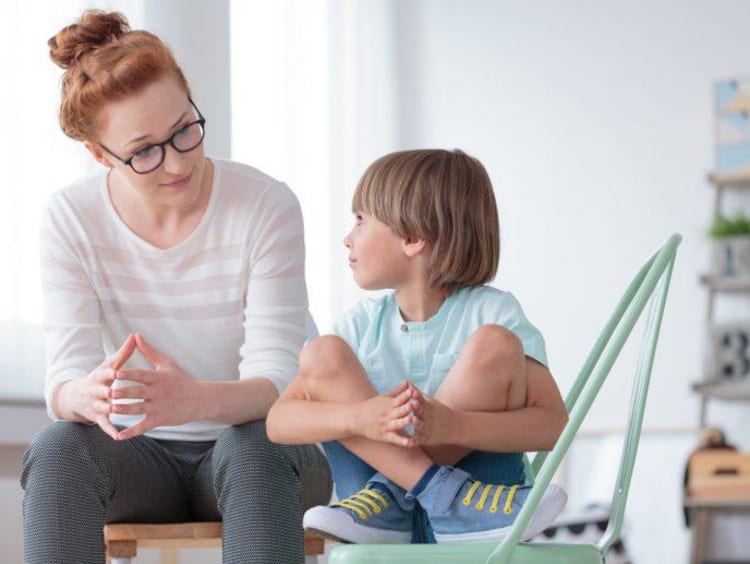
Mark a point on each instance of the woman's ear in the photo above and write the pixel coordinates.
(98, 153)
(413, 246)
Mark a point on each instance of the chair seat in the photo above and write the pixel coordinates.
(123, 539)
(525, 553)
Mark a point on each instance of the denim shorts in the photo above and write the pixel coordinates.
(351, 473)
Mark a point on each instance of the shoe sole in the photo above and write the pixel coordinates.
(550, 506)
(338, 526)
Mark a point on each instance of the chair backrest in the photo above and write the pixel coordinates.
(651, 284)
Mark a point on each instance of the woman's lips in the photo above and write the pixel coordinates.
(179, 183)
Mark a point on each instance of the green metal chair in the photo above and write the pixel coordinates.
(650, 284)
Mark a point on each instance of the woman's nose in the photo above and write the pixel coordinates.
(174, 161)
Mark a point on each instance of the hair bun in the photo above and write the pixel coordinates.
(94, 29)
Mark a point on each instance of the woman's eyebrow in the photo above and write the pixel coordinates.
(143, 137)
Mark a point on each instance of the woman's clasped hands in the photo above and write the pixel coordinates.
(168, 395)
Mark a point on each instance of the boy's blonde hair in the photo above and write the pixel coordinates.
(443, 197)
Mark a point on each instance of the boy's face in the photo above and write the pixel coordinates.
(376, 254)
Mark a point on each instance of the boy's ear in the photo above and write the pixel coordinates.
(98, 153)
(412, 246)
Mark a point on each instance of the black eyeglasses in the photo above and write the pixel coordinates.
(151, 157)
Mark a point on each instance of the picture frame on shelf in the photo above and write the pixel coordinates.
(732, 127)
(730, 248)
(729, 352)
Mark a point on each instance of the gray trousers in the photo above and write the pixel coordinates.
(76, 479)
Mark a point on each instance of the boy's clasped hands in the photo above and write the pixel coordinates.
(407, 417)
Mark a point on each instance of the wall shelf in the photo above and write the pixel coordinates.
(720, 283)
(723, 390)
(739, 181)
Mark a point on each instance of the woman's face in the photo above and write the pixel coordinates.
(149, 117)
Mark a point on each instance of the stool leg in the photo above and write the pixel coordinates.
(169, 556)
(120, 552)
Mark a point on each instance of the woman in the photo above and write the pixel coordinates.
(192, 270)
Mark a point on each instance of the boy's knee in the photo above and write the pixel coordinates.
(492, 344)
(323, 358)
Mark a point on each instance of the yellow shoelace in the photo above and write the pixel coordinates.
(364, 503)
(507, 508)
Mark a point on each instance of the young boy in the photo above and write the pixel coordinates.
(425, 394)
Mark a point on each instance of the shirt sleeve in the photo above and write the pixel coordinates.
(276, 296)
(510, 315)
(72, 312)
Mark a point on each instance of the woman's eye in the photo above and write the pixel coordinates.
(145, 152)
(182, 132)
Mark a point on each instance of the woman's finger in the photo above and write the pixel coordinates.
(101, 407)
(104, 375)
(137, 375)
(106, 426)
(100, 391)
(138, 429)
(129, 408)
(154, 357)
(123, 354)
(132, 392)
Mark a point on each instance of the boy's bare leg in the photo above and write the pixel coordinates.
(331, 372)
(489, 375)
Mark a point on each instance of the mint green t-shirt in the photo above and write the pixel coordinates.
(392, 350)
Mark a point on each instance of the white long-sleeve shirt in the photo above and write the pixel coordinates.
(228, 302)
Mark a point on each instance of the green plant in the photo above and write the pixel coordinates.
(724, 226)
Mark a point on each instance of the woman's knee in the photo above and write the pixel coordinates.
(61, 448)
(244, 459)
(247, 449)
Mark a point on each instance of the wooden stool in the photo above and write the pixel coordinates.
(124, 539)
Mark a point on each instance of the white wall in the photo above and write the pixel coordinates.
(594, 120)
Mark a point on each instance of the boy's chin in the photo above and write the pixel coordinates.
(370, 286)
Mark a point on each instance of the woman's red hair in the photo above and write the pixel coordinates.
(104, 60)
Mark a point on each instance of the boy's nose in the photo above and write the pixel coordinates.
(348, 241)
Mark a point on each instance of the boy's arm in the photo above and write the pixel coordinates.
(296, 418)
(535, 427)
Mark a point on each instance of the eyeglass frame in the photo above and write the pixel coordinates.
(129, 161)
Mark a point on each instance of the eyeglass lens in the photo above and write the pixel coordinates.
(150, 158)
